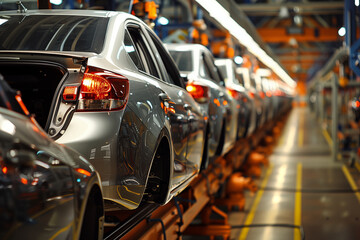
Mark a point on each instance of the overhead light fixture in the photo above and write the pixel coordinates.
(2, 21)
(163, 21)
(238, 60)
(342, 32)
(357, 3)
(222, 16)
(56, 2)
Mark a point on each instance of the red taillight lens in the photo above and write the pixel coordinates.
(268, 94)
(103, 91)
(200, 93)
(357, 104)
(278, 93)
(251, 94)
(262, 94)
(233, 93)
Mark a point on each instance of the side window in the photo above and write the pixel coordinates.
(239, 78)
(140, 46)
(131, 50)
(204, 70)
(211, 68)
(172, 72)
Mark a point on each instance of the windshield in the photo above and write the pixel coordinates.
(183, 59)
(52, 33)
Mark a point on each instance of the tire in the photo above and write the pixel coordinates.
(92, 226)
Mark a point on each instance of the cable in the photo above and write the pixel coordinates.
(176, 200)
(162, 224)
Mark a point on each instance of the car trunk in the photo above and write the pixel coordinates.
(41, 84)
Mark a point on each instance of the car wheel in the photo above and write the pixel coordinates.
(157, 184)
(92, 227)
(205, 157)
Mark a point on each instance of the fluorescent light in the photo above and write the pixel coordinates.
(357, 3)
(223, 17)
(342, 32)
(238, 60)
(2, 21)
(56, 2)
(163, 21)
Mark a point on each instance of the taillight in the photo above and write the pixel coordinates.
(233, 93)
(357, 104)
(251, 94)
(278, 93)
(199, 92)
(268, 94)
(103, 91)
(262, 95)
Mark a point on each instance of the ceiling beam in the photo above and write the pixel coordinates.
(277, 35)
(306, 8)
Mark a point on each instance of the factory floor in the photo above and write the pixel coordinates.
(303, 193)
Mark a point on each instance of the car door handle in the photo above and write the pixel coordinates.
(164, 97)
(187, 106)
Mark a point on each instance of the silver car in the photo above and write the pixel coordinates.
(257, 99)
(234, 84)
(206, 85)
(47, 190)
(102, 83)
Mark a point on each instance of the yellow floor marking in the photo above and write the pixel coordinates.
(351, 182)
(301, 137)
(259, 194)
(301, 131)
(357, 165)
(328, 138)
(297, 213)
(61, 230)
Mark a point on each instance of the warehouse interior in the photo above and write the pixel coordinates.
(297, 175)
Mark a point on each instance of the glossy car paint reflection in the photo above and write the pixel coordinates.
(44, 187)
(158, 135)
(196, 62)
(234, 84)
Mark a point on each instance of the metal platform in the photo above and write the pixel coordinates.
(303, 192)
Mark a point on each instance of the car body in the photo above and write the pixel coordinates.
(47, 190)
(264, 87)
(197, 64)
(234, 84)
(257, 100)
(106, 86)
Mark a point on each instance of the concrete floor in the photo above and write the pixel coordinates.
(303, 194)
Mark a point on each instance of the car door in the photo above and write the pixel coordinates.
(195, 118)
(226, 101)
(170, 101)
(37, 189)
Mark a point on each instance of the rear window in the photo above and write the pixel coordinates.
(183, 59)
(52, 33)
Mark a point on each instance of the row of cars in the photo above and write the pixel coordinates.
(96, 114)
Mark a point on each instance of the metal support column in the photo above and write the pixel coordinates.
(335, 116)
(321, 101)
(350, 13)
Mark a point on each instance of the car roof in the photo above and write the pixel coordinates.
(185, 46)
(90, 13)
